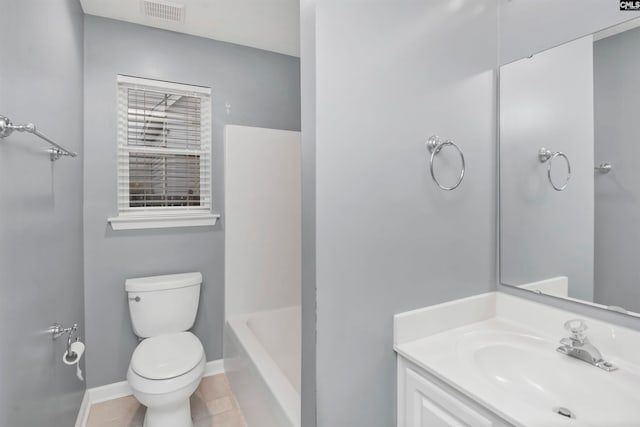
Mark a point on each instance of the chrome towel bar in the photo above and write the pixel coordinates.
(56, 151)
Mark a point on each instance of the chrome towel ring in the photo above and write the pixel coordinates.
(434, 145)
(545, 155)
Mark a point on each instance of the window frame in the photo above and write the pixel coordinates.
(162, 217)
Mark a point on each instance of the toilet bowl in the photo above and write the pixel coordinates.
(167, 366)
(163, 373)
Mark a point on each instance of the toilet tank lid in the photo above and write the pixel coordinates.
(158, 283)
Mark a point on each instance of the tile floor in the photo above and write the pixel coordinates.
(212, 405)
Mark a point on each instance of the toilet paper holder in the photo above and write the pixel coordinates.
(57, 331)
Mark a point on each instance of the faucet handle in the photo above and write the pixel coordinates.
(577, 327)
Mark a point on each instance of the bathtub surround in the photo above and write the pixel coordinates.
(388, 240)
(262, 362)
(40, 211)
(261, 88)
(262, 273)
(262, 205)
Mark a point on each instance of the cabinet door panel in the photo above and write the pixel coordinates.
(426, 405)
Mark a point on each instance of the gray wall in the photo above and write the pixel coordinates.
(388, 75)
(263, 89)
(40, 211)
(617, 234)
(547, 100)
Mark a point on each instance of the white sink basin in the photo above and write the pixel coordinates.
(520, 376)
(526, 366)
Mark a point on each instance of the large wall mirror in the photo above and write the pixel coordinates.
(569, 157)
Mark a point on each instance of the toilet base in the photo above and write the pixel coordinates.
(169, 416)
(167, 401)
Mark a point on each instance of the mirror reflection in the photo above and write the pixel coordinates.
(569, 175)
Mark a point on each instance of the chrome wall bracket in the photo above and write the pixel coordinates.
(55, 154)
(6, 128)
(57, 330)
(603, 168)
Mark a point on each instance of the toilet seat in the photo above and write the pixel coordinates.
(167, 356)
(159, 387)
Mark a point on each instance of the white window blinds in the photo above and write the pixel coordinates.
(164, 148)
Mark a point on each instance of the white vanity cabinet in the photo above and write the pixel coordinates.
(424, 401)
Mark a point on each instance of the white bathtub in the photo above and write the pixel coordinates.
(262, 361)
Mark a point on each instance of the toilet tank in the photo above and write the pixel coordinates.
(163, 304)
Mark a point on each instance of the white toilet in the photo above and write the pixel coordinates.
(168, 364)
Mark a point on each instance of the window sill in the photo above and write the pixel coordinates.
(137, 222)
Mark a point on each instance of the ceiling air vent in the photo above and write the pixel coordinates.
(165, 10)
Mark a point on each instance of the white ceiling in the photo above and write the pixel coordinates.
(264, 24)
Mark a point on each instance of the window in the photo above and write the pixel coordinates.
(164, 155)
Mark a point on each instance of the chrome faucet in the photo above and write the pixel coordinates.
(578, 346)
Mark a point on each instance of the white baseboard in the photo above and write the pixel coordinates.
(108, 392)
(83, 413)
(215, 367)
(121, 389)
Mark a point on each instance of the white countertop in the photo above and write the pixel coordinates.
(446, 340)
